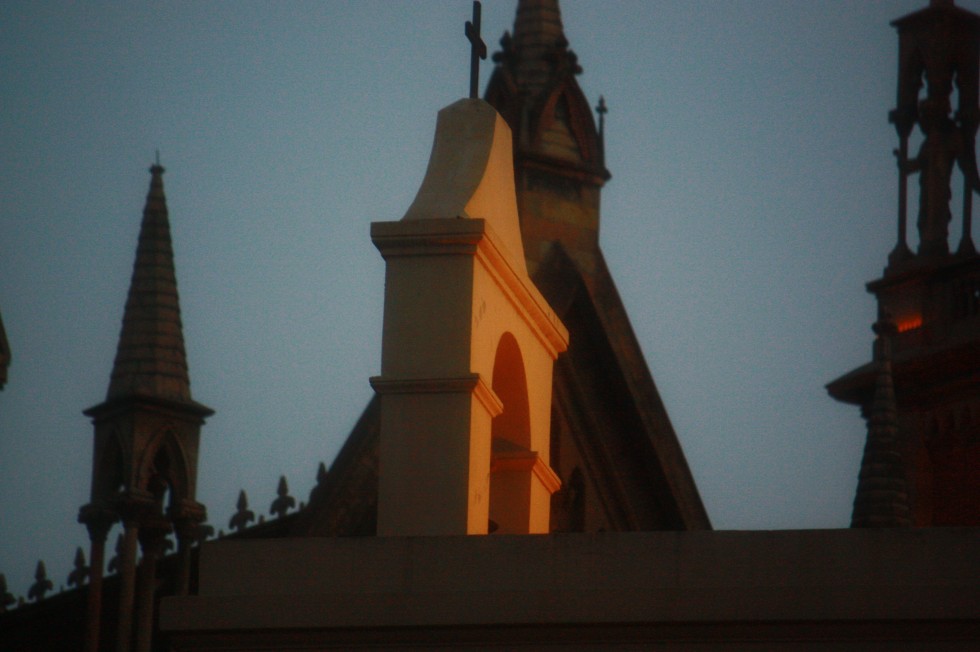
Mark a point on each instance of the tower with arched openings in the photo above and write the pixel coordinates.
(147, 432)
(468, 347)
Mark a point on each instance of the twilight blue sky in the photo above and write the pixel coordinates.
(753, 194)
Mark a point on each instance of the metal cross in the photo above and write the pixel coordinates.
(478, 49)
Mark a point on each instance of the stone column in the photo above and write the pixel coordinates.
(127, 585)
(188, 531)
(152, 537)
(98, 527)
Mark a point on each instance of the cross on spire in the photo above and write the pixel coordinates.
(602, 111)
(478, 49)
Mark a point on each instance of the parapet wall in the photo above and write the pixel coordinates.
(819, 589)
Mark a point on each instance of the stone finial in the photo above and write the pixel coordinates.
(241, 518)
(558, 158)
(539, 45)
(81, 572)
(6, 598)
(206, 532)
(281, 505)
(601, 110)
(41, 583)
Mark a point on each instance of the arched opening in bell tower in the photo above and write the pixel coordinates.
(164, 473)
(511, 455)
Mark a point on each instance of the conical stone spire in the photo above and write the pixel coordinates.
(882, 495)
(558, 159)
(538, 32)
(150, 360)
(147, 438)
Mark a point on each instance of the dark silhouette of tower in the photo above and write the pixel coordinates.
(146, 440)
(932, 295)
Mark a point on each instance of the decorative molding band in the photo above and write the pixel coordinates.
(475, 237)
(526, 461)
(431, 237)
(523, 295)
(470, 384)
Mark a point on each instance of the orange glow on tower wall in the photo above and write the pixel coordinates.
(909, 323)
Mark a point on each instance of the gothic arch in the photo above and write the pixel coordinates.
(111, 472)
(164, 467)
(566, 102)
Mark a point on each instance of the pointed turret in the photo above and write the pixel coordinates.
(558, 155)
(147, 435)
(538, 34)
(150, 360)
(882, 493)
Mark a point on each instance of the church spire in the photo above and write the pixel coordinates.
(558, 156)
(150, 359)
(147, 436)
(538, 36)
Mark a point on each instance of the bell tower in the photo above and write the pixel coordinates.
(468, 347)
(932, 295)
(146, 439)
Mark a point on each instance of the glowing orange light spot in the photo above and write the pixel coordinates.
(909, 323)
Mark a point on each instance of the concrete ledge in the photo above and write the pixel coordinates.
(693, 577)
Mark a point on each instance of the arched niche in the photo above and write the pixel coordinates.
(513, 424)
(164, 470)
(519, 499)
(110, 478)
(480, 335)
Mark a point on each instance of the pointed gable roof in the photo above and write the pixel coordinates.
(533, 86)
(607, 398)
